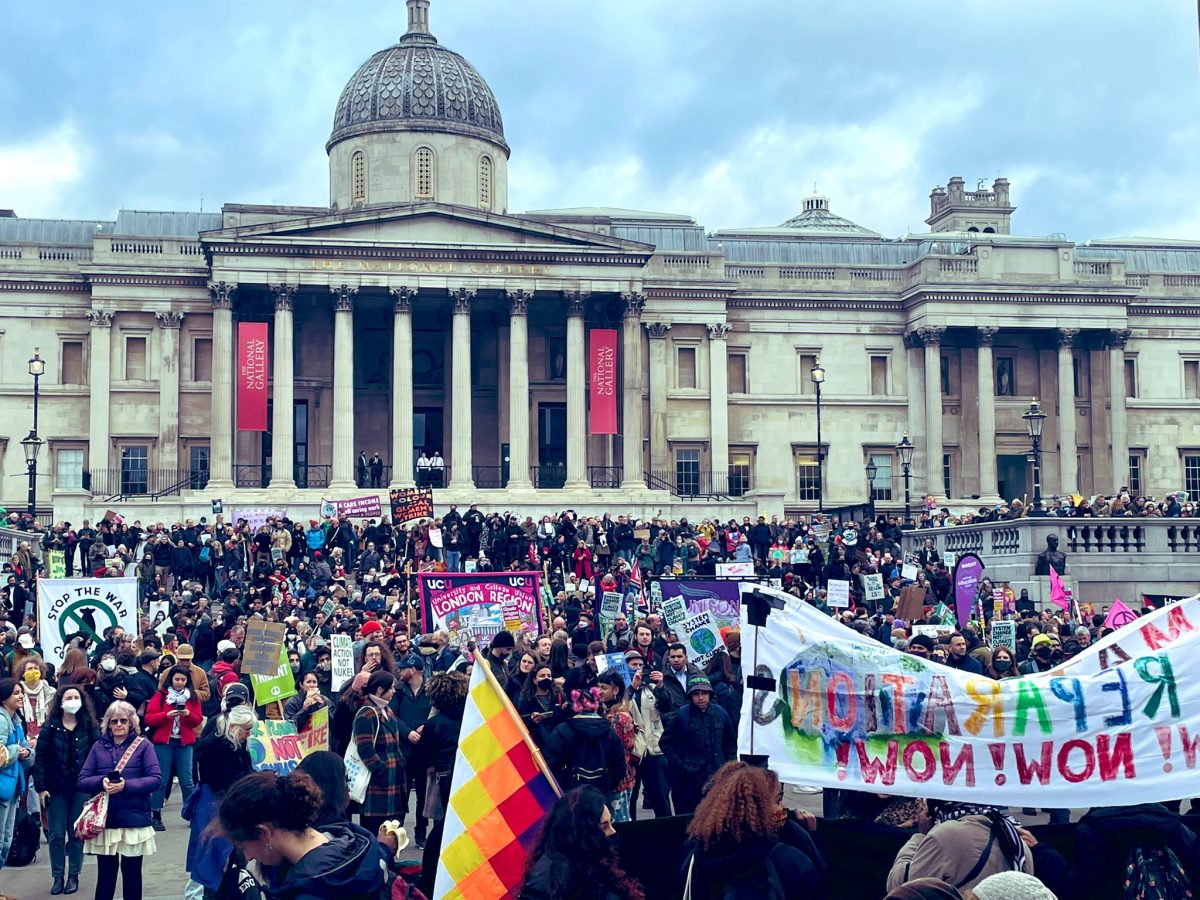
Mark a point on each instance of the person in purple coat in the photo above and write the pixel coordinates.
(128, 835)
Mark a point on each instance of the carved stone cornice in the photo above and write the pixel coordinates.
(718, 331)
(169, 319)
(1066, 336)
(99, 318)
(657, 330)
(462, 300)
(518, 302)
(285, 297)
(1117, 338)
(222, 293)
(576, 301)
(343, 297)
(986, 335)
(930, 335)
(633, 303)
(402, 299)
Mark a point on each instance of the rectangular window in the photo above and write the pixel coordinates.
(72, 362)
(944, 368)
(135, 359)
(879, 376)
(1191, 379)
(685, 368)
(808, 362)
(198, 466)
(202, 359)
(1131, 389)
(1137, 462)
(808, 475)
(68, 470)
(1079, 373)
(946, 473)
(134, 468)
(741, 469)
(1191, 475)
(881, 485)
(736, 373)
(687, 472)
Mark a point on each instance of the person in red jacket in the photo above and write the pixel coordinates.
(172, 716)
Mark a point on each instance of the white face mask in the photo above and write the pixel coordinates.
(72, 706)
(108, 664)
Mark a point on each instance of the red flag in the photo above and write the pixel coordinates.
(1058, 594)
(252, 376)
(602, 362)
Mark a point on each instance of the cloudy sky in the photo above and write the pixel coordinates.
(728, 110)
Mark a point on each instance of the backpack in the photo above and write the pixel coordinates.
(26, 840)
(1155, 873)
(212, 706)
(763, 883)
(587, 764)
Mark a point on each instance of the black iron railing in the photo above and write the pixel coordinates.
(604, 476)
(437, 477)
(369, 478)
(698, 484)
(550, 477)
(130, 481)
(489, 476)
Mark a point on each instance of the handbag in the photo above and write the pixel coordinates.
(92, 821)
(358, 776)
(434, 808)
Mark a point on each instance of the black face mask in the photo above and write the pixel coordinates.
(1044, 654)
(544, 683)
(1001, 665)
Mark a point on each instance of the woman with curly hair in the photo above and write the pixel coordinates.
(574, 858)
(742, 838)
(435, 754)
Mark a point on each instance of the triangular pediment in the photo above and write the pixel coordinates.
(432, 224)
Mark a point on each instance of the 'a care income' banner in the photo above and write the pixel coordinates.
(847, 712)
(602, 375)
(479, 605)
(252, 376)
(355, 508)
(71, 606)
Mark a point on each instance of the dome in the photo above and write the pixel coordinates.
(418, 85)
(818, 219)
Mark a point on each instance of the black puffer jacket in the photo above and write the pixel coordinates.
(60, 755)
(1106, 837)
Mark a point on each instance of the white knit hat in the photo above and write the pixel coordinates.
(1012, 886)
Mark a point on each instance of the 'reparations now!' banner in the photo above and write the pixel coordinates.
(1118, 725)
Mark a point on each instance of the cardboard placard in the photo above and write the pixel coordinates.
(341, 656)
(838, 594)
(264, 642)
(674, 612)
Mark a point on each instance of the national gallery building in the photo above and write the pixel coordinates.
(589, 358)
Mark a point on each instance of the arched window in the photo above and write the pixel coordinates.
(973, 230)
(358, 177)
(485, 182)
(989, 230)
(424, 174)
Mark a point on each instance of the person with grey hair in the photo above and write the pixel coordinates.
(1084, 635)
(123, 765)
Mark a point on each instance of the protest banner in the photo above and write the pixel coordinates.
(909, 570)
(411, 504)
(1004, 634)
(260, 652)
(616, 662)
(354, 508)
(327, 608)
(279, 685)
(255, 517)
(315, 735)
(478, 606)
(846, 712)
(933, 631)
(967, 574)
(217, 506)
(674, 612)
(735, 570)
(70, 606)
(341, 658)
(700, 636)
(610, 605)
(838, 594)
(656, 596)
(872, 586)
(721, 598)
(56, 564)
(275, 746)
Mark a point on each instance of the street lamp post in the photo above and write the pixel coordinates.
(872, 471)
(905, 449)
(818, 378)
(1034, 418)
(32, 444)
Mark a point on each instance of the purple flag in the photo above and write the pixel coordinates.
(968, 572)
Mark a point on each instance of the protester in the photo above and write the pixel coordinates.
(584, 750)
(651, 769)
(435, 753)
(698, 741)
(1134, 845)
(172, 715)
(926, 889)
(328, 772)
(611, 686)
(574, 854)
(1014, 886)
(127, 837)
(299, 708)
(16, 759)
(1002, 664)
(379, 743)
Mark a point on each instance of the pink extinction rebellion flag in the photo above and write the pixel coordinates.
(1058, 594)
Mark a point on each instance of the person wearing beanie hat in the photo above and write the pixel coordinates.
(920, 645)
(698, 741)
(1012, 886)
(372, 631)
(499, 650)
(925, 889)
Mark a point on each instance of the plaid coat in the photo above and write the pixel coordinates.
(378, 739)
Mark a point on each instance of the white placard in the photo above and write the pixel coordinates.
(838, 594)
(1004, 634)
(736, 570)
(69, 606)
(674, 612)
(700, 636)
(929, 630)
(873, 586)
(610, 605)
(341, 655)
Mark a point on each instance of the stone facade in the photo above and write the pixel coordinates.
(401, 323)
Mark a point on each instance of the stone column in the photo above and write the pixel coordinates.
(343, 388)
(168, 390)
(577, 432)
(987, 414)
(518, 390)
(931, 337)
(632, 474)
(1116, 408)
(461, 475)
(223, 363)
(659, 457)
(1068, 463)
(100, 361)
(916, 414)
(718, 404)
(402, 387)
(283, 436)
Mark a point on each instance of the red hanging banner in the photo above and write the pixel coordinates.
(252, 376)
(602, 363)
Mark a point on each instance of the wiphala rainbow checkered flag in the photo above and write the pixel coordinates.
(499, 793)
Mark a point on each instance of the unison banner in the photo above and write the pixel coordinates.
(70, 606)
(252, 376)
(719, 598)
(846, 712)
(602, 375)
(476, 605)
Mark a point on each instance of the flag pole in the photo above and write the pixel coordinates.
(538, 760)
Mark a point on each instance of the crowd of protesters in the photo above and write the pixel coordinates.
(132, 714)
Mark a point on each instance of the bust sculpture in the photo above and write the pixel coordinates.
(1051, 558)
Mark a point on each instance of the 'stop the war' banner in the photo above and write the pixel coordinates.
(1118, 725)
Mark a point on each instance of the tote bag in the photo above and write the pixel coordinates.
(358, 776)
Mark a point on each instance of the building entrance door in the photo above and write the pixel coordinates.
(1012, 476)
(551, 471)
(427, 437)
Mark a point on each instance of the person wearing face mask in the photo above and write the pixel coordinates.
(1041, 656)
(324, 672)
(1002, 665)
(540, 705)
(110, 682)
(66, 738)
(36, 694)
